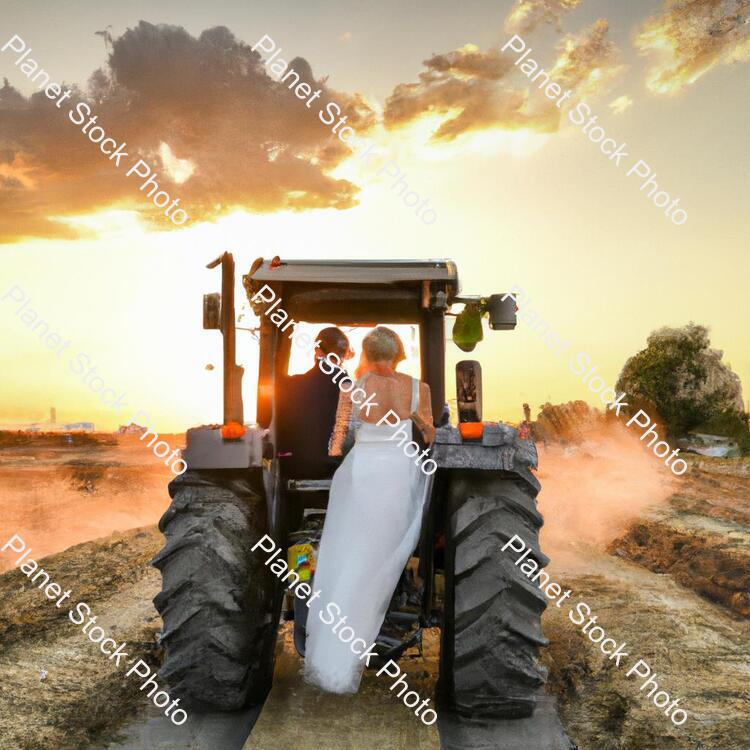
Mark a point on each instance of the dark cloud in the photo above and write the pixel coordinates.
(10, 183)
(690, 37)
(466, 86)
(249, 141)
(10, 98)
(469, 61)
(475, 90)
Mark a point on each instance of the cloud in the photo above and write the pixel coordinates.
(587, 62)
(621, 104)
(526, 15)
(690, 37)
(220, 132)
(463, 85)
(474, 90)
(468, 62)
(10, 183)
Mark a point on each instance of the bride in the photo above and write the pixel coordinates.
(374, 516)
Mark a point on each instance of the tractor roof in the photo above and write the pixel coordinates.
(365, 272)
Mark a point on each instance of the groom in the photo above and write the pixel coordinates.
(307, 412)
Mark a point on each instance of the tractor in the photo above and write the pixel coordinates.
(221, 606)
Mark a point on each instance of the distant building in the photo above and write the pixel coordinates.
(131, 429)
(77, 427)
(47, 427)
(51, 426)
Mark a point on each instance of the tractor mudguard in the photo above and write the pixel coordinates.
(500, 449)
(206, 449)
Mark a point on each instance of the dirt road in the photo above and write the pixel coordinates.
(299, 716)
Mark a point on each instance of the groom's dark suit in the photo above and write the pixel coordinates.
(307, 412)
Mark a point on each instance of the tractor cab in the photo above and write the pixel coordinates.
(295, 298)
(348, 294)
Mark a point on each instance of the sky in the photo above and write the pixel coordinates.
(520, 195)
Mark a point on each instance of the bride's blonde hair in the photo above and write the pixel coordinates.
(383, 345)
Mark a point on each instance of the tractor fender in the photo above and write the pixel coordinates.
(500, 449)
(206, 449)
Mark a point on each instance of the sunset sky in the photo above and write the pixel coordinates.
(520, 193)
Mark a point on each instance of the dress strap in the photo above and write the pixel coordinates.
(414, 395)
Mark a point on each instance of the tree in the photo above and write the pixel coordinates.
(684, 380)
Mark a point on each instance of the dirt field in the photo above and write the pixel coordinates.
(59, 691)
(673, 592)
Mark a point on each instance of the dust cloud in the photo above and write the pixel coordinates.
(593, 488)
(593, 485)
(55, 496)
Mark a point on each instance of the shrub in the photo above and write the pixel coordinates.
(685, 381)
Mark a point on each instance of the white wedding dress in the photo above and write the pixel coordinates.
(372, 527)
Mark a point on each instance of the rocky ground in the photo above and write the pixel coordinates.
(675, 587)
(697, 650)
(672, 584)
(701, 537)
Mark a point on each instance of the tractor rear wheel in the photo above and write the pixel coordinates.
(219, 602)
(492, 627)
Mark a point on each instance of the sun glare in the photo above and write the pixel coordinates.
(178, 170)
(104, 223)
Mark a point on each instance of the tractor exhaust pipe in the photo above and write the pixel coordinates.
(220, 314)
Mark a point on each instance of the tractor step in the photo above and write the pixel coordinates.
(309, 485)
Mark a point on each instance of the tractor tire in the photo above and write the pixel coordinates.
(492, 626)
(219, 603)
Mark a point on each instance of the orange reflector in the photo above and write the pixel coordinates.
(471, 430)
(233, 431)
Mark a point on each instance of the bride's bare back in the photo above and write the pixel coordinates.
(394, 393)
(388, 393)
